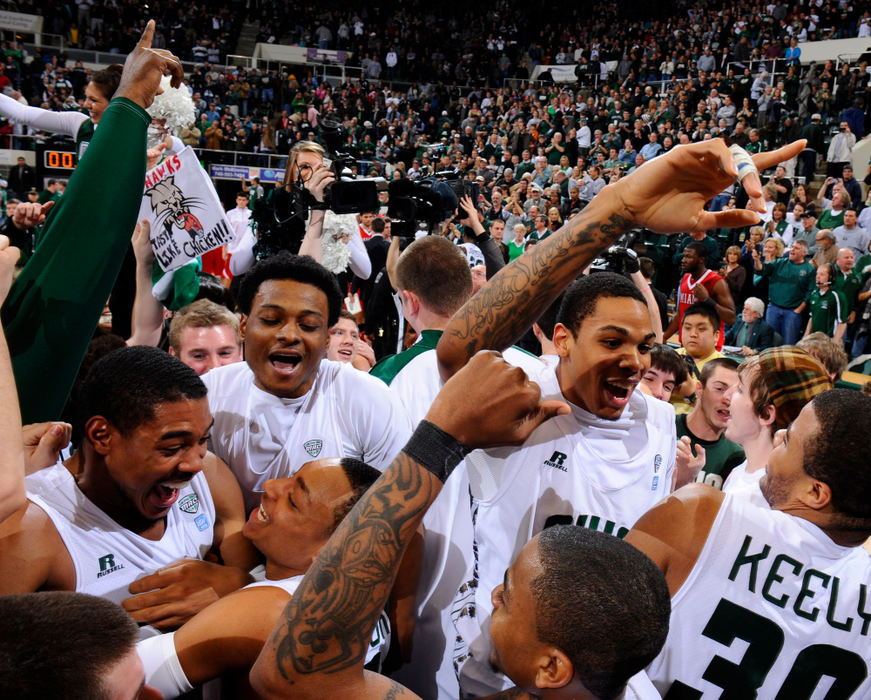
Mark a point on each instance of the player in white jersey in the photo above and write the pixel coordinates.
(603, 340)
(578, 613)
(433, 281)
(140, 493)
(772, 388)
(601, 466)
(287, 404)
(224, 639)
(773, 602)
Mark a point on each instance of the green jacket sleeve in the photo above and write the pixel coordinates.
(55, 304)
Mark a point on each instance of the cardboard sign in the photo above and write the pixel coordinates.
(186, 216)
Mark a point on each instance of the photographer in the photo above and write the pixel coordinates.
(279, 219)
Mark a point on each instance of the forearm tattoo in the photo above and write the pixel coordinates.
(327, 623)
(502, 311)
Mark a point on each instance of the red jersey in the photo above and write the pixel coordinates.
(685, 298)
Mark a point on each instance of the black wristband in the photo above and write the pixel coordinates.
(435, 450)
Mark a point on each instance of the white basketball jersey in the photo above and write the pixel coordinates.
(745, 483)
(773, 608)
(346, 413)
(574, 469)
(448, 535)
(106, 556)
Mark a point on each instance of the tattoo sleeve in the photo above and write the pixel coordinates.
(326, 626)
(507, 306)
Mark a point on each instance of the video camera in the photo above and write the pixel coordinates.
(348, 194)
(620, 257)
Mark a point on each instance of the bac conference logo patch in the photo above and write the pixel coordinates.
(314, 447)
(190, 503)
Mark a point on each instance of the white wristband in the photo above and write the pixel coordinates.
(743, 161)
(162, 667)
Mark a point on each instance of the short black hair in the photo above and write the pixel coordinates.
(547, 320)
(699, 249)
(361, 476)
(299, 268)
(378, 225)
(61, 644)
(703, 309)
(601, 602)
(838, 454)
(648, 269)
(127, 385)
(582, 295)
(664, 358)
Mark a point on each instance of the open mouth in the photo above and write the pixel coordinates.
(724, 414)
(284, 363)
(166, 493)
(346, 352)
(618, 393)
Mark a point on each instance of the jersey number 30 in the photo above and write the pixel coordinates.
(765, 640)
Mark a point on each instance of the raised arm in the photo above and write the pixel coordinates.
(320, 640)
(12, 495)
(666, 194)
(147, 322)
(55, 303)
(66, 123)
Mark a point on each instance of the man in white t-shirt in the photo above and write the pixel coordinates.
(287, 404)
(611, 459)
(772, 388)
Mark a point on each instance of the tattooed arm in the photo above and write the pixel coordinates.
(318, 646)
(667, 194)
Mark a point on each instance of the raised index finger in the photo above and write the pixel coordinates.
(147, 36)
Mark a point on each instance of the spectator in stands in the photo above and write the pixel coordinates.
(204, 335)
(667, 370)
(829, 353)
(790, 288)
(700, 433)
(827, 249)
(751, 332)
(840, 150)
(851, 235)
(828, 309)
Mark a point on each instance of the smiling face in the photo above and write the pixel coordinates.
(300, 509)
(95, 102)
(201, 349)
(659, 383)
(285, 336)
(601, 366)
(150, 463)
(343, 340)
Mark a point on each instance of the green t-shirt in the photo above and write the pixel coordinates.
(790, 283)
(721, 455)
(515, 250)
(830, 221)
(849, 286)
(827, 310)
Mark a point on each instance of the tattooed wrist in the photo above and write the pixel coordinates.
(435, 450)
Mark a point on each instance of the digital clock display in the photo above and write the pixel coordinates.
(59, 160)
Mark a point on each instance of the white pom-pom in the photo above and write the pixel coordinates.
(174, 105)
